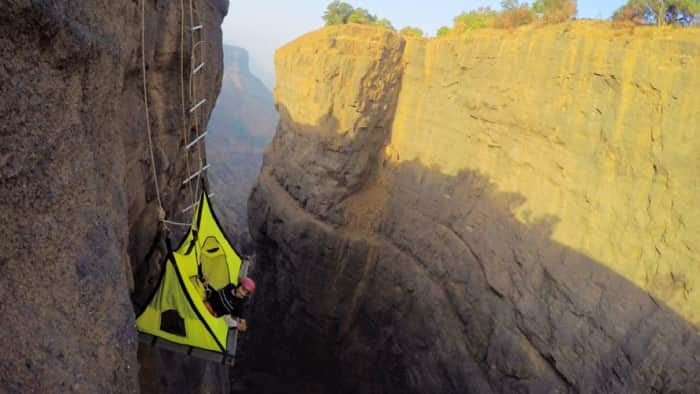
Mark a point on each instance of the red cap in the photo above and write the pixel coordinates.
(248, 284)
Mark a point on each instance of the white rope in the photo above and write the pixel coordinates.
(177, 223)
(161, 210)
(145, 101)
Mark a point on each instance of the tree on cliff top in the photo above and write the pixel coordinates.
(338, 13)
(514, 14)
(444, 31)
(480, 18)
(361, 15)
(385, 23)
(410, 31)
(555, 11)
(659, 12)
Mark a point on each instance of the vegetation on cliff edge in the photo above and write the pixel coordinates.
(513, 13)
(338, 13)
(410, 31)
(659, 12)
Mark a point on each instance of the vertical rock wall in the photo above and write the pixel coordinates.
(519, 218)
(79, 210)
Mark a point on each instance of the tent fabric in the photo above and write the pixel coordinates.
(177, 293)
(176, 311)
(207, 233)
(214, 264)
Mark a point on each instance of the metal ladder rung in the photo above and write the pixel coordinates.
(198, 68)
(191, 144)
(199, 104)
(197, 203)
(195, 28)
(196, 174)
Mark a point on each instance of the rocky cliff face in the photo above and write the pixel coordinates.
(514, 212)
(79, 209)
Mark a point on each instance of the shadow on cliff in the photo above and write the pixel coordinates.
(429, 283)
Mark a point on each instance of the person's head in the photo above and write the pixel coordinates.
(246, 287)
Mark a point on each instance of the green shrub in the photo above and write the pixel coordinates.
(410, 31)
(513, 17)
(385, 23)
(444, 31)
(338, 13)
(480, 18)
(513, 14)
(555, 11)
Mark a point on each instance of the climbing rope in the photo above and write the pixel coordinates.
(177, 223)
(161, 210)
(194, 72)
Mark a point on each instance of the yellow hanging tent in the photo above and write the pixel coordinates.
(175, 317)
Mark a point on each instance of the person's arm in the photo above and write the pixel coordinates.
(241, 310)
(235, 322)
(241, 313)
(231, 321)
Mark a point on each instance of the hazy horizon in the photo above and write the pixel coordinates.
(265, 25)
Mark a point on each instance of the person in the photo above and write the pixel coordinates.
(230, 302)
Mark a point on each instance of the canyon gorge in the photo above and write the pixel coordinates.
(509, 211)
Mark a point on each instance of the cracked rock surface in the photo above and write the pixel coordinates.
(79, 213)
(513, 212)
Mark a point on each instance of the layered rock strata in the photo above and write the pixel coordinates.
(79, 207)
(510, 212)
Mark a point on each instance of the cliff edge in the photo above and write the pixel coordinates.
(512, 212)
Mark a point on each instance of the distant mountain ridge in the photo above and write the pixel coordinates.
(246, 105)
(242, 124)
(266, 75)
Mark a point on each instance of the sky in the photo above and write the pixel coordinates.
(262, 26)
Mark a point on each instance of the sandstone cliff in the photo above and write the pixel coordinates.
(79, 209)
(513, 212)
